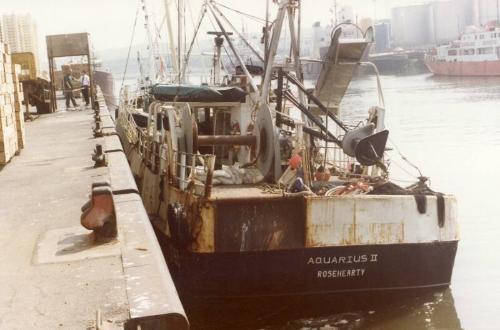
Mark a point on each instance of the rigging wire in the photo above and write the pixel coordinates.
(240, 35)
(255, 18)
(157, 42)
(130, 47)
(195, 34)
(403, 157)
(401, 167)
(168, 55)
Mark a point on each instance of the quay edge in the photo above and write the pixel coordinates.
(53, 273)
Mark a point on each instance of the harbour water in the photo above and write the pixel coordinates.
(450, 128)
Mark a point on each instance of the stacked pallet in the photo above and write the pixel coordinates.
(11, 117)
(18, 105)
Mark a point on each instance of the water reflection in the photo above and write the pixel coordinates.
(376, 310)
(429, 311)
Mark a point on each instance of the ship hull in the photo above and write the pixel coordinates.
(484, 68)
(263, 280)
(107, 84)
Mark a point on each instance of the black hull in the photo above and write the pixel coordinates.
(107, 84)
(314, 271)
(252, 282)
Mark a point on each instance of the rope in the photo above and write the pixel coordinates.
(275, 189)
(195, 34)
(130, 48)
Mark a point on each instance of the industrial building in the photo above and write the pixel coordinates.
(382, 31)
(439, 22)
(485, 11)
(412, 26)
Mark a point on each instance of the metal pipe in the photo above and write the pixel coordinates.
(279, 98)
(210, 163)
(182, 176)
(313, 118)
(313, 98)
(266, 34)
(242, 140)
(273, 47)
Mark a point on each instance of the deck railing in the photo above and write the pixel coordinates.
(185, 171)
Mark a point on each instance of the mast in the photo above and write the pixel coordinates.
(335, 12)
(218, 40)
(171, 43)
(181, 9)
(141, 70)
(295, 49)
(151, 53)
(266, 35)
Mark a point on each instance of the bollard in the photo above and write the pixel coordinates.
(99, 157)
(98, 129)
(99, 214)
(94, 185)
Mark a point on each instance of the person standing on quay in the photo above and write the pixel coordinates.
(85, 82)
(68, 89)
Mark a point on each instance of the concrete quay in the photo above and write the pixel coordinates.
(53, 275)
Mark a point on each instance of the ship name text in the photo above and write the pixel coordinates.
(341, 273)
(352, 259)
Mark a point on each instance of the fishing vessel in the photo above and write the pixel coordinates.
(261, 192)
(476, 53)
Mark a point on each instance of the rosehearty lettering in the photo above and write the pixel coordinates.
(341, 273)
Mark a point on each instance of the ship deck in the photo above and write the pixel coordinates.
(53, 276)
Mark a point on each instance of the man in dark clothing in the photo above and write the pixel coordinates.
(68, 90)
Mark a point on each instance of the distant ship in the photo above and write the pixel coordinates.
(476, 53)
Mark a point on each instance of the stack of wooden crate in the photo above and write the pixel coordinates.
(18, 105)
(11, 109)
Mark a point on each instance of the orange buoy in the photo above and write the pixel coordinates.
(295, 161)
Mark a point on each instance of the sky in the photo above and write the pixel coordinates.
(110, 22)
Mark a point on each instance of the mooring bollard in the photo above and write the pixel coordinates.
(99, 213)
(98, 129)
(99, 157)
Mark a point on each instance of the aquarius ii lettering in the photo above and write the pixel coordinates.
(342, 260)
